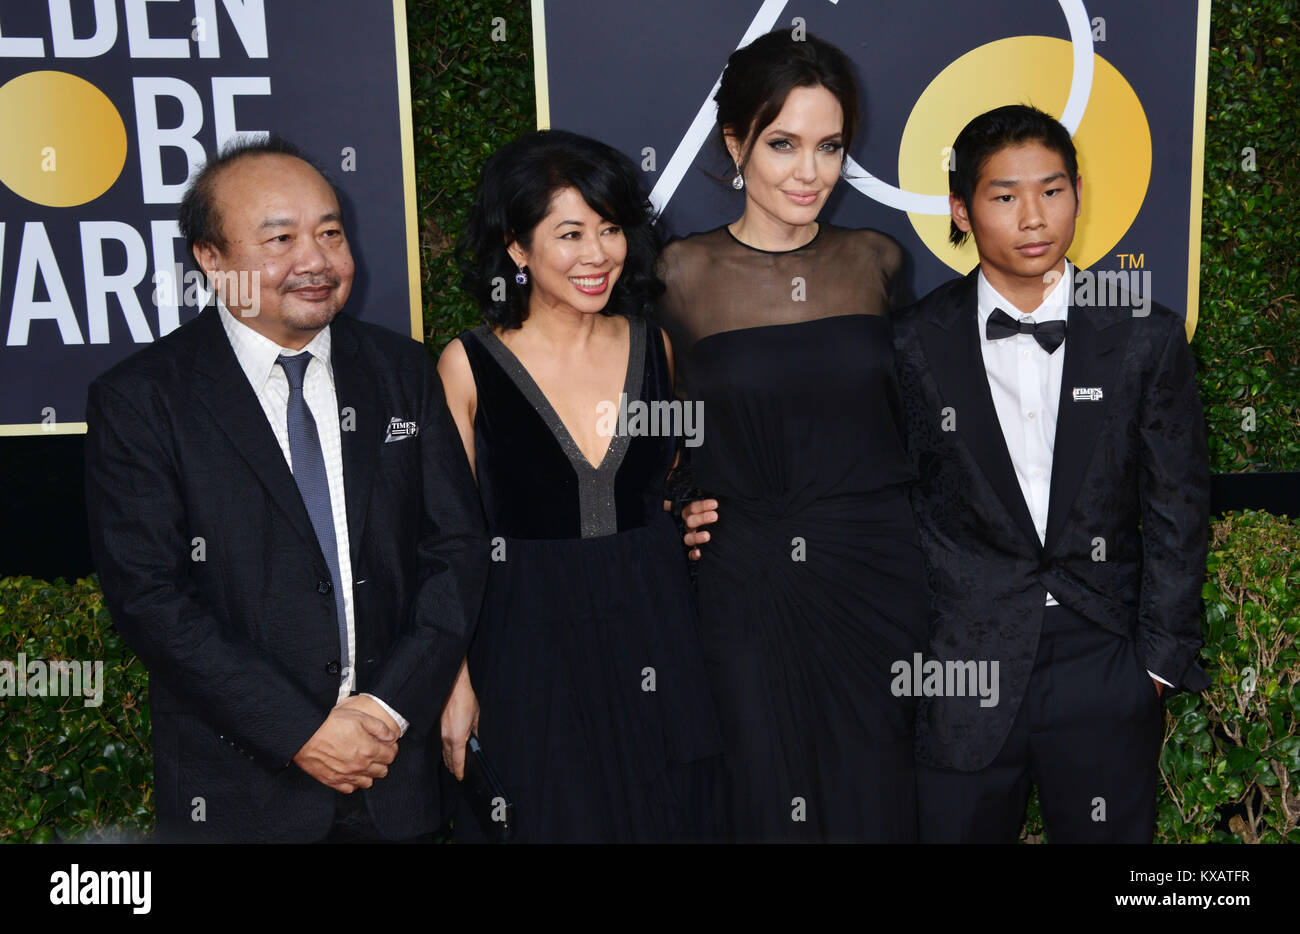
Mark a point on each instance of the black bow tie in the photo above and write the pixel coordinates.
(1049, 334)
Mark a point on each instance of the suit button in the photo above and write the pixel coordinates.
(324, 586)
(332, 668)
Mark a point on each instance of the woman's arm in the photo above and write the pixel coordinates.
(462, 394)
(460, 713)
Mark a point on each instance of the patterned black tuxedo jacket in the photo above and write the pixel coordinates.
(1129, 473)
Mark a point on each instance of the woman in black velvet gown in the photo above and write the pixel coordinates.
(584, 681)
(812, 583)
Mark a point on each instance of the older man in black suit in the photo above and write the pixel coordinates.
(1062, 504)
(286, 530)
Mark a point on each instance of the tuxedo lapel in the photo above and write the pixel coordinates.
(950, 337)
(1090, 360)
(222, 387)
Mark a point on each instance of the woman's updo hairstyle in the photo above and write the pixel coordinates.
(759, 77)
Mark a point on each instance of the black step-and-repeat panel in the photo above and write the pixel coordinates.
(109, 106)
(1126, 77)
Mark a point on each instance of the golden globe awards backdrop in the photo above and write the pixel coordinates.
(1126, 77)
(107, 108)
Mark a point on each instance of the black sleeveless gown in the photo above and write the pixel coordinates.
(594, 707)
(813, 583)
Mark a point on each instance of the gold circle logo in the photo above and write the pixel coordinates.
(65, 143)
(1113, 138)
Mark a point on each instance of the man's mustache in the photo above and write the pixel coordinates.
(310, 283)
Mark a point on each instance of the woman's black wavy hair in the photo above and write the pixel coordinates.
(514, 194)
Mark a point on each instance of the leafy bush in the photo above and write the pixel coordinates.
(470, 95)
(1246, 334)
(1231, 761)
(72, 771)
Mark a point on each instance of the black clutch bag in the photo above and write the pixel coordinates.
(487, 797)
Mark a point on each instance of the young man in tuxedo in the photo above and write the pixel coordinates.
(286, 530)
(1062, 504)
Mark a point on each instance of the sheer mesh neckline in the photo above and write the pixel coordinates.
(715, 283)
(815, 238)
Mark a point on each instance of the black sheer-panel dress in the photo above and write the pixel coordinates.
(594, 707)
(812, 584)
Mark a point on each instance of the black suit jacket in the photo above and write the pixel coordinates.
(1135, 456)
(213, 574)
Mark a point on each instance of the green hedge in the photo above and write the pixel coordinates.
(1246, 336)
(1233, 752)
(1230, 759)
(72, 771)
(469, 96)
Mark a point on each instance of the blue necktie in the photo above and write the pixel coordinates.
(313, 482)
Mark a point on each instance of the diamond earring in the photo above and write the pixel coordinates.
(739, 181)
(521, 277)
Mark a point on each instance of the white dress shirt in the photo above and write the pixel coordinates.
(257, 356)
(1025, 381)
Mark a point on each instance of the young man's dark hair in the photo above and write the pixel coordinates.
(995, 130)
(198, 218)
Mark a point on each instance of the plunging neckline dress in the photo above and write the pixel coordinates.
(586, 660)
